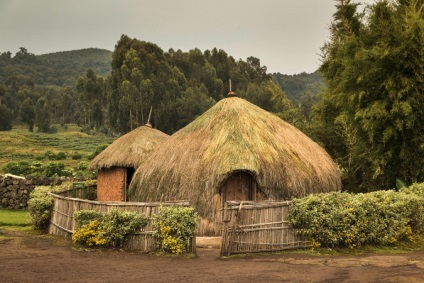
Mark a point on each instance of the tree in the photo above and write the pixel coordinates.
(90, 89)
(42, 115)
(374, 69)
(193, 102)
(6, 118)
(97, 114)
(27, 113)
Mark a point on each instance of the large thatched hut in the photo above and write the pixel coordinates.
(117, 163)
(234, 151)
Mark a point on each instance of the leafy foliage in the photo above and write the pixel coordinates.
(21, 168)
(352, 220)
(110, 229)
(42, 117)
(174, 226)
(6, 118)
(27, 113)
(371, 117)
(83, 217)
(40, 207)
(58, 169)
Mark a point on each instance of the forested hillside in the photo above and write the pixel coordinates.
(79, 87)
(297, 87)
(61, 68)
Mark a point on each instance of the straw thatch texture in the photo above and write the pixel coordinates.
(130, 149)
(234, 135)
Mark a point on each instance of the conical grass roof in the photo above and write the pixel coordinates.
(234, 135)
(131, 149)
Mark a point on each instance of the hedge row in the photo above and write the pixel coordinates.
(352, 220)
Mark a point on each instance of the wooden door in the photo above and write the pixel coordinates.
(239, 186)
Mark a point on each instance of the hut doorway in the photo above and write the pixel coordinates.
(128, 177)
(239, 186)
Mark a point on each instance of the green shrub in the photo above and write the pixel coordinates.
(50, 155)
(37, 169)
(52, 129)
(22, 168)
(110, 229)
(174, 226)
(61, 156)
(39, 157)
(118, 224)
(53, 156)
(82, 166)
(40, 207)
(76, 156)
(83, 217)
(343, 219)
(99, 149)
(57, 169)
(416, 188)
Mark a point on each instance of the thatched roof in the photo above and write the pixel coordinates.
(130, 149)
(234, 135)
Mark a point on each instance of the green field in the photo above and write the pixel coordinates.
(16, 220)
(22, 145)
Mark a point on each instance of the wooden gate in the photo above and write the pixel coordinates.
(257, 227)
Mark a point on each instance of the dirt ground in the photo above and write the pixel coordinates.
(46, 258)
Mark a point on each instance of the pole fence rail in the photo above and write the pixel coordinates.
(62, 221)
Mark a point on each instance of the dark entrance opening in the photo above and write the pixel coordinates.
(129, 175)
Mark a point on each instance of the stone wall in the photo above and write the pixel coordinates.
(15, 190)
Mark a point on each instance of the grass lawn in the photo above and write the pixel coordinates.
(17, 220)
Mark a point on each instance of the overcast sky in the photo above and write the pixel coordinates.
(286, 35)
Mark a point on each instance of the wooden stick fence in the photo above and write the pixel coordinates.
(258, 227)
(63, 223)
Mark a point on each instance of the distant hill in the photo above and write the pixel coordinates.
(63, 69)
(97, 59)
(60, 68)
(296, 86)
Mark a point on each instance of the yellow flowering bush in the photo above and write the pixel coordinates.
(174, 226)
(89, 234)
(110, 229)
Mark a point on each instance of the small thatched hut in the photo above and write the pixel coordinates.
(234, 151)
(117, 163)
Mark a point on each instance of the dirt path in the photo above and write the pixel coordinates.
(26, 258)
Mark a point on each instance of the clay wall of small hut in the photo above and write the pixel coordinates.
(111, 184)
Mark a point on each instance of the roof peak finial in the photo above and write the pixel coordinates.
(148, 119)
(231, 93)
